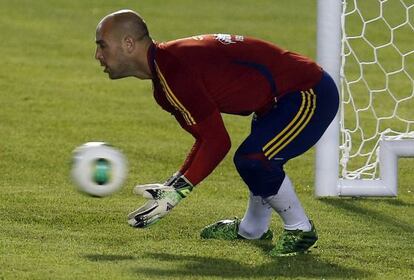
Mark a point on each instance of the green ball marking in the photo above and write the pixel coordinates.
(102, 171)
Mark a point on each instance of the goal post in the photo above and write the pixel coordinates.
(328, 54)
(358, 154)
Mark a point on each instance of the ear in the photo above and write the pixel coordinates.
(129, 44)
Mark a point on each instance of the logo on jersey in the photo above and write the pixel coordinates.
(198, 38)
(227, 39)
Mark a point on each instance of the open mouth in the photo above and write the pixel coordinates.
(105, 67)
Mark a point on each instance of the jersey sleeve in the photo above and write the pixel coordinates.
(197, 114)
(212, 143)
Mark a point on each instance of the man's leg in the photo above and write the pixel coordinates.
(257, 217)
(256, 220)
(289, 208)
(254, 225)
(270, 187)
(287, 131)
(266, 179)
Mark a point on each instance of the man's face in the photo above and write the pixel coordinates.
(109, 52)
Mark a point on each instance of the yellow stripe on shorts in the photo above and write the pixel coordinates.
(299, 122)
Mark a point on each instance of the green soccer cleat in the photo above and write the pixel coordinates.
(228, 230)
(294, 242)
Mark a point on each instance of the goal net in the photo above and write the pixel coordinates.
(368, 48)
(377, 81)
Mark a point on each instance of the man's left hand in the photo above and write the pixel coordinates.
(162, 199)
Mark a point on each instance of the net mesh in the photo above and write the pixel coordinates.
(377, 81)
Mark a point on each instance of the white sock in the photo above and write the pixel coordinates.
(256, 219)
(288, 206)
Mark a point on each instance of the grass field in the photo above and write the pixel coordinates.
(54, 96)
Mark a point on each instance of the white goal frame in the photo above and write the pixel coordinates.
(327, 181)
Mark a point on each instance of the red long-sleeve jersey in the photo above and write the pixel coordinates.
(197, 78)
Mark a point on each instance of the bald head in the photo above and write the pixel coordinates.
(125, 23)
(123, 41)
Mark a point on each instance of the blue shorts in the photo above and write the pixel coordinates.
(295, 123)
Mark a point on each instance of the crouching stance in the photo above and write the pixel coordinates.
(291, 98)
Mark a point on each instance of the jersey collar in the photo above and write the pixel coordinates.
(151, 59)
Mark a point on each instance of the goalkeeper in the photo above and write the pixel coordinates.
(291, 98)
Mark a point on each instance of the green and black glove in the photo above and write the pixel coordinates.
(162, 199)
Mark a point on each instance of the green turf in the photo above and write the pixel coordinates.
(54, 96)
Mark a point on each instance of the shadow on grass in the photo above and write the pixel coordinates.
(307, 266)
(108, 258)
(353, 207)
(396, 202)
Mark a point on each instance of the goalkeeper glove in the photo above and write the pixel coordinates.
(162, 199)
(173, 178)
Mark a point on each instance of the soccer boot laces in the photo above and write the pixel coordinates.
(228, 230)
(295, 242)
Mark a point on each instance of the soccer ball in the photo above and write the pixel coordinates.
(98, 169)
